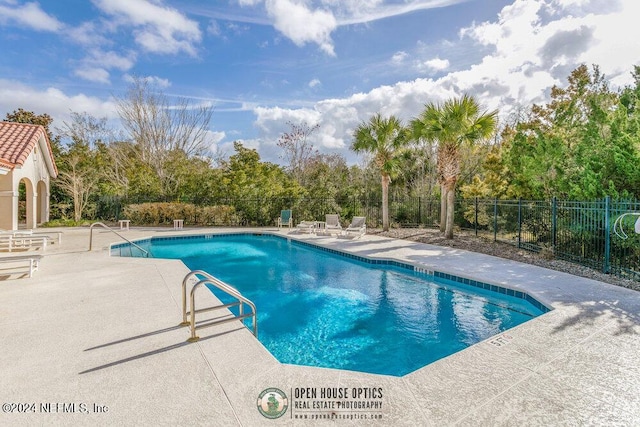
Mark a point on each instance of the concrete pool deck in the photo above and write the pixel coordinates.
(93, 340)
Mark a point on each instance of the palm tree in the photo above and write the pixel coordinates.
(456, 122)
(384, 139)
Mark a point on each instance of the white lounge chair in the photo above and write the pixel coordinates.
(358, 226)
(332, 224)
(286, 219)
(307, 226)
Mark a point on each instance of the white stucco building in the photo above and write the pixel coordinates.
(25, 156)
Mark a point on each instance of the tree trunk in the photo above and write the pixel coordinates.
(443, 207)
(385, 202)
(77, 206)
(451, 199)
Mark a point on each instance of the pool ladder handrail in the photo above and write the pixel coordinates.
(224, 287)
(146, 253)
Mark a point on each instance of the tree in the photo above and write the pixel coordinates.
(298, 150)
(384, 139)
(581, 145)
(247, 180)
(88, 129)
(158, 127)
(326, 179)
(245, 176)
(452, 124)
(78, 177)
(417, 172)
(80, 167)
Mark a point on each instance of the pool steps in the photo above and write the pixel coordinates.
(189, 316)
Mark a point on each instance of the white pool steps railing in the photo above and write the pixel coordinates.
(189, 313)
(144, 251)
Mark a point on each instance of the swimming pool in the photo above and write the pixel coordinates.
(320, 308)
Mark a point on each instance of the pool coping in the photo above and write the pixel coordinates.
(572, 364)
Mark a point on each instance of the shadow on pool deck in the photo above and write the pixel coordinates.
(152, 352)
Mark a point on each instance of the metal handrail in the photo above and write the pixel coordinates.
(113, 231)
(224, 287)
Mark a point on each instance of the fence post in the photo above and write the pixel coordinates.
(118, 208)
(607, 235)
(554, 223)
(419, 211)
(495, 219)
(475, 226)
(519, 221)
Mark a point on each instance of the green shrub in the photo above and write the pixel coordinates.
(217, 215)
(65, 223)
(165, 213)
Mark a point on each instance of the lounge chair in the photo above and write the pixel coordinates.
(332, 224)
(307, 226)
(286, 219)
(358, 226)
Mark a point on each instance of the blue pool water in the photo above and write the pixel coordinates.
(318, 308)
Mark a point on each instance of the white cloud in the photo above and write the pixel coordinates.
(433, 65)
(111, 59)
(215, 137)
(153, 80)
(157, 29)
(303, 25)
(93, 74)
(52, 101)
(213, 140)
(96, 66)
(363, 11)
(30, 15)
(523, 44)
(87, 34)
(399, 57)
(213, 28)
(315, 83)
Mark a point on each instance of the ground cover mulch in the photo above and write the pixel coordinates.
(468, 241)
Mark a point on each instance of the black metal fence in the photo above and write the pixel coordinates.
(587, 233)
(576, 231)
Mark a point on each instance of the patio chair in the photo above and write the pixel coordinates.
(286, 219)
(332, 224)
(358, 226)
(306, 226)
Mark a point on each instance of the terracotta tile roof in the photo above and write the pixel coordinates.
(6, 164)
(17, 141)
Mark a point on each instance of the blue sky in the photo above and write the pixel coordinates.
(263, 63)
